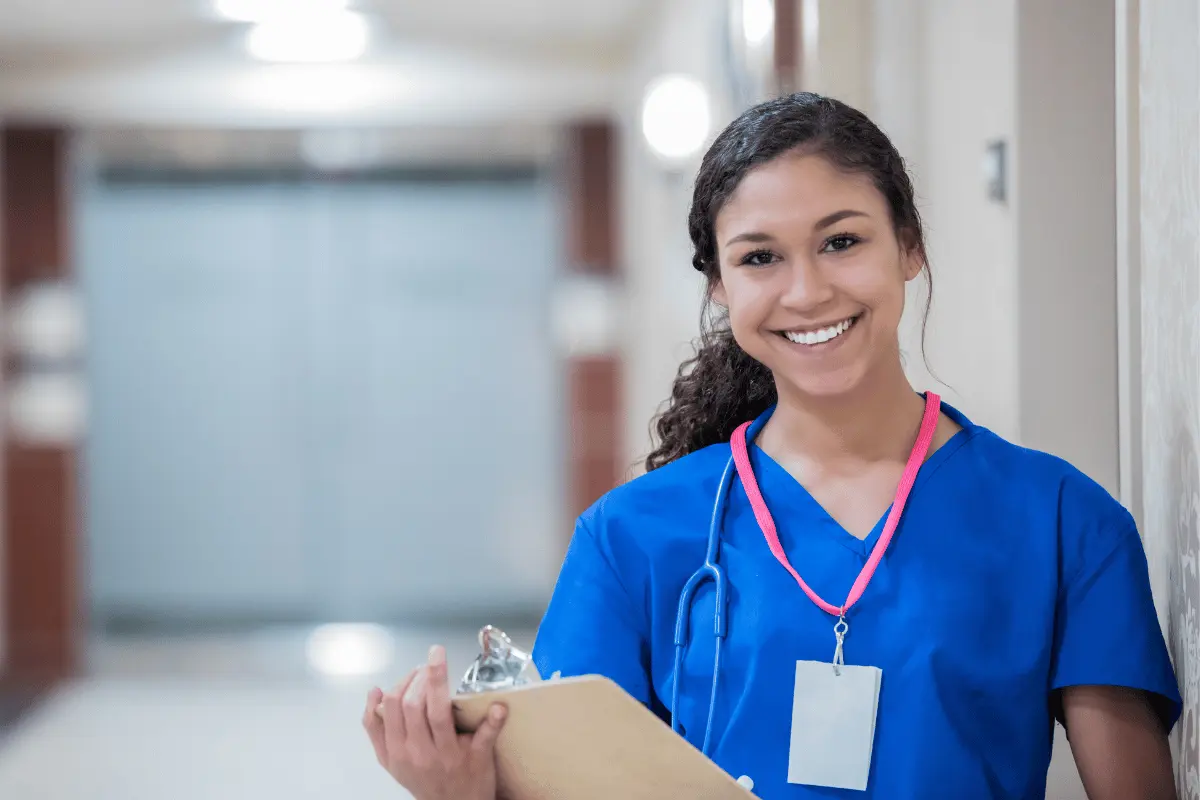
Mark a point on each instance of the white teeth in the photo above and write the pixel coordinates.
(821, 336)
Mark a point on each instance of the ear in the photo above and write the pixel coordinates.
(913, 261)
(718, 294)
(912, 254)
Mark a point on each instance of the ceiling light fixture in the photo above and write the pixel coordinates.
(676, 117)
(310, 38)
(758, 20)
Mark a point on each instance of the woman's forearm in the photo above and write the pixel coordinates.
(1119, 744)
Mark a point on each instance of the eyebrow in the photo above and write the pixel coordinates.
(838, 216)
(824, 222)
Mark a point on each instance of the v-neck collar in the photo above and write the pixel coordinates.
(786, 495)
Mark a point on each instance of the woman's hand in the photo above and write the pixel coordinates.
(412, 729)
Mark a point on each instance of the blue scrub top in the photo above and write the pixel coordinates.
(1011, 575)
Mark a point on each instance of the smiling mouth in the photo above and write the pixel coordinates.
(820, 335)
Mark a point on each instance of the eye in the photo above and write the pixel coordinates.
(840, 243)
(757, 258)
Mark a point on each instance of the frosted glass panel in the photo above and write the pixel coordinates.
(320, 400)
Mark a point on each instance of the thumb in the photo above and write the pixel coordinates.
(484, 741)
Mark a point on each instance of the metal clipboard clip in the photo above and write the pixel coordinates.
(499, 665)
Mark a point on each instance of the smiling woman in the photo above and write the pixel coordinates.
(953, 594)
(813, 228)
(804, 224)
(833, 284)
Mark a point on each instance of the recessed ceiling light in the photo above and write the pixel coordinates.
(758, 20)
(676, 117)
(305, 39)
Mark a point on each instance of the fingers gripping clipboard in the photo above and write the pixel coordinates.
(581, 738)
(585, 738)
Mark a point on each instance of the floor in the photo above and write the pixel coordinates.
(270, 714)
(240, 716)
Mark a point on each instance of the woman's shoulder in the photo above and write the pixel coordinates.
(672, 496)
(1040, 481)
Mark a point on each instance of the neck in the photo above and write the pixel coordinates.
(876, 422)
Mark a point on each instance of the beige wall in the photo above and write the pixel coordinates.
(663, 292)
(1065, 171)
(837, 45)
(1169, 200)
(943, 87)
(966, 80)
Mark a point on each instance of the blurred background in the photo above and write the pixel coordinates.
(322, 320)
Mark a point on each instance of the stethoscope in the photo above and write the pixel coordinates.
(709, 570)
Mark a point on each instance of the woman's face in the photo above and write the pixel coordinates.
(812, 274)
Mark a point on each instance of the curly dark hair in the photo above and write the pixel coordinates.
(722, 386)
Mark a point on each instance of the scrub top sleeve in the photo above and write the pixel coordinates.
(592, 626)
(1107, 630)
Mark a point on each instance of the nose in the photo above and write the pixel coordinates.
(808, 285)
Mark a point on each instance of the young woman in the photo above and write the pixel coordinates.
(905, 601)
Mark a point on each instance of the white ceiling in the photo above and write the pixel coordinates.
(39, 25)
(172, 62)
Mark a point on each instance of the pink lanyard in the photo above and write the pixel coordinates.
(741, 458)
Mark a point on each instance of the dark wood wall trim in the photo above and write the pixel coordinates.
(41, 581)
(593, 379)
(590, 172)
(594, 389)
(35, 240)
(788, 35)
(41, 588)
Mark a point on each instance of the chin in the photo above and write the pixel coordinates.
(842, 383)
(815, 378)
(841, 367)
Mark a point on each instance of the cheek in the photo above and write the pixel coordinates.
(879, 288)
(892, 295)
(748, 302)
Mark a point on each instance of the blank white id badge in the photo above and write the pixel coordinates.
(833, 724)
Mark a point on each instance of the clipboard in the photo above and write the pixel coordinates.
(585, 738)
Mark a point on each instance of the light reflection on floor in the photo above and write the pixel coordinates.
(220, 716)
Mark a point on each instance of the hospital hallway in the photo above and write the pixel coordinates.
(322, 322)
(237, 716)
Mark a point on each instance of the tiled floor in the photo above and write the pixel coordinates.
(202, 717)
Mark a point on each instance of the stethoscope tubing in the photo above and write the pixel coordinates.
(709, 570)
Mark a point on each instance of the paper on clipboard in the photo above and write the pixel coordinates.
(585, 738)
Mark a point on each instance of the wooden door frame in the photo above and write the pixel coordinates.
(40, 580)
